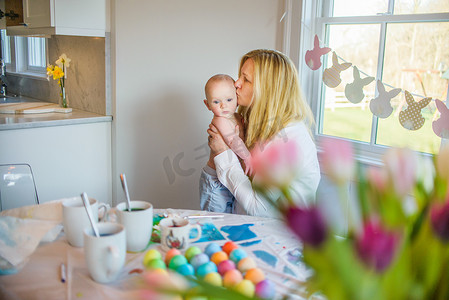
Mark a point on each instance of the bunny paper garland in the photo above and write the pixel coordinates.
(331, 76)
(354, 90)
(411, 117)
(313, 56)
(441, 126)
(381, 106)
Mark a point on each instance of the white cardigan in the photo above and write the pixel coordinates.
(303, 188)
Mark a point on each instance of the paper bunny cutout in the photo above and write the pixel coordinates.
(441, 126)
(331, 76)
(354, 91)
(381, 106)
(313, 56)
(411, 117)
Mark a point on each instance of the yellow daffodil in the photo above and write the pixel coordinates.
(57, 73)
(50, 69)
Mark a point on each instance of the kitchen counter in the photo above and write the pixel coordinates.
(24, 121)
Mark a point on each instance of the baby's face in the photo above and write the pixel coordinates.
(222, 99)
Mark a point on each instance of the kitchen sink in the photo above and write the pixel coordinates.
(15, 99)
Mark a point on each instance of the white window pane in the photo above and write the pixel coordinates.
(415, 57)
(420, 6)
(36, 52)
(357, 44)
(346, 8)
(6, 47)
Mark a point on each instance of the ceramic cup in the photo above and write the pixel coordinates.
(175, 233)
(75, 219)
(138, 223)
(105, 255)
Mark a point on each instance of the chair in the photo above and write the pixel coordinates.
(17, 186)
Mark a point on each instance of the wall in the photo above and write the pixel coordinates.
(162, 54)
(85, 84)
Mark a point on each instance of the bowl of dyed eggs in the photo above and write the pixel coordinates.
(226, 266)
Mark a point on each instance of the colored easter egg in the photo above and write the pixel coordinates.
(186, 270)
(225, 266)
(199, 259)
(237, 254)
(170, 253)
(245, 287)
(256, 275)
(229, 246)
(150, 255)
(177, 261)
(155, 264)
(245, 264)
(191, 252)
(213, 278)
(212, 248)
(265, 289)
(231, 278)
(206, 268)
(218, 257)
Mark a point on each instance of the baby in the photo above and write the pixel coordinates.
(221, 99)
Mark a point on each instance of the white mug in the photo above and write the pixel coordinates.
(175, 233)
(75, 219)
(138, 224)
(105, 255)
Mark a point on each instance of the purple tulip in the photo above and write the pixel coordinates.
(439, 218)
(308, 224)
(376, 247)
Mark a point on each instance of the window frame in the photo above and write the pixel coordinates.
(19, 59)
(315, 19)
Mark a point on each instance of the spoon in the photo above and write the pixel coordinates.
(125, 189)
(89, 213)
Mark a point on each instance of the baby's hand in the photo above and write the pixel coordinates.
(248, 167)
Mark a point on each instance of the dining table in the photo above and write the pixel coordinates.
(275, 249)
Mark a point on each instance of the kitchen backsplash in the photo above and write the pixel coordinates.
(86, 76)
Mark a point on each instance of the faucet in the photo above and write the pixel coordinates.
(2, 78)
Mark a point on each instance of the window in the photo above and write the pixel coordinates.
(24, 55)
(401, 44)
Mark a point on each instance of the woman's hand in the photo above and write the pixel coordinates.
(216, 142)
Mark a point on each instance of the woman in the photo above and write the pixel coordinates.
(271, 103)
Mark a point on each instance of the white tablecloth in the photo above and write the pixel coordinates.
(274, 248)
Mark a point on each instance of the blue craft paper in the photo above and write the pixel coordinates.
(266, 257)
(247, 244)
(239, 232)
(208, 233)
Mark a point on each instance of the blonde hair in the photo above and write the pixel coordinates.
(216, 78)
(277, 96)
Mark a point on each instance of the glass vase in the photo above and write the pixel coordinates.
(63, 102)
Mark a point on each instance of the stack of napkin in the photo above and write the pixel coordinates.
(22, 229)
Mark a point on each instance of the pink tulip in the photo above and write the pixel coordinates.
(378, 177)
(337, 160)
(401, 164)
(276, 164)
(439, 218)
(442, 163)
(308, 224)
(376, 246)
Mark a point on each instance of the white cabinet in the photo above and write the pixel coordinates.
(62, 17)
(66, 160)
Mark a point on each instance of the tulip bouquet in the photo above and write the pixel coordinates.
(397, 241)
(396, 245)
